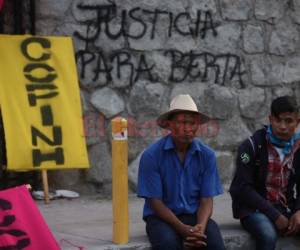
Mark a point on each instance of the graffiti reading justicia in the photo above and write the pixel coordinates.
(114, 23)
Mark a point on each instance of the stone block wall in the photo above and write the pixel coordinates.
(232, 56)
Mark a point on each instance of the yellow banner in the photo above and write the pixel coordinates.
(40, 103)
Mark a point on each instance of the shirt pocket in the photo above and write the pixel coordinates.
(193, 190)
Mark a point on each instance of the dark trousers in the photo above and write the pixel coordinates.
(262, 229)
(162, 236)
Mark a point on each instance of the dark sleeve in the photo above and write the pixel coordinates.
(242, 188)
(297, 203)
(296, 187)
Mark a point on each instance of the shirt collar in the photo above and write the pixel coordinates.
(169, 144)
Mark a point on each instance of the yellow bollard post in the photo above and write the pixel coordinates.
(120, 180)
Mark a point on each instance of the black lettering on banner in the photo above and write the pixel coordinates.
(33, 66)
(33, 87)
(42, 87)
(32, 97)
(39, 157)
(57, 136)
(45, 43)
(14, 232)
(21, 244)
(5, 204)
(8, 220)
(47, 116)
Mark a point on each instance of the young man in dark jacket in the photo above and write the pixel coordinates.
(266, 187)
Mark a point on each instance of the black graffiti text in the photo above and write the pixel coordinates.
(148, 21)
(194, 66)
(190, 66)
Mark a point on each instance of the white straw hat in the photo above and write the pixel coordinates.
(180, 103)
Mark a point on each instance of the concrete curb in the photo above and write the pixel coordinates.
(87, 222)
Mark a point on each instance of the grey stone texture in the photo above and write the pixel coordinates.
(226, 39)
(252, 103)
(253, 39)
(270, 10)
(230, 133)
(295, 4)
(108, 102)
(146, 98)
(133, 170)
(220, 102)
(225, 162)
(236, 10)
(57, 10)
(284, 40)
(100, 172)
(205, 5)
(232, 56)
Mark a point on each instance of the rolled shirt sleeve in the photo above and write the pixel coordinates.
(149, 180)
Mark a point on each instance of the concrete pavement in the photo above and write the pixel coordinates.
(87, 222)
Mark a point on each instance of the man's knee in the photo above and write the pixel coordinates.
(268, 237)
(166, 242)
(214, 237)
(161, 235)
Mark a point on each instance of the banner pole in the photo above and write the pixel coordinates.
(45, 186)
(120, 180)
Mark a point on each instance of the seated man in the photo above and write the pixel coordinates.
(265, 190)
(178, 178)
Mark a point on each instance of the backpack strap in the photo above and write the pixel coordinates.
(257, 141)
(253, 145)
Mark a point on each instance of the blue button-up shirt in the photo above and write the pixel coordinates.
(179, 185)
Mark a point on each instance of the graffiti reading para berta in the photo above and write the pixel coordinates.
(41, 104)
